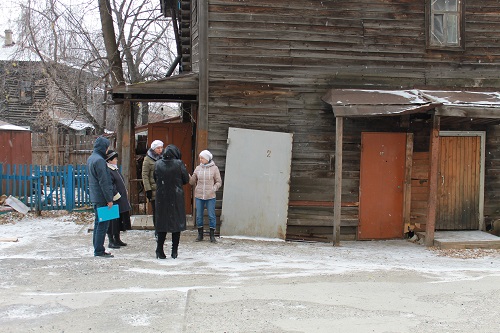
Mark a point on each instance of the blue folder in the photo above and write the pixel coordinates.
(105, 213)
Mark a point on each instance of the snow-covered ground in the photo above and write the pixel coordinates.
(50, 282)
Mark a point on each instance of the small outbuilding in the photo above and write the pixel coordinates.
(15, 144)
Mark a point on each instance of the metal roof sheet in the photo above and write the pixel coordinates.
(362, 102)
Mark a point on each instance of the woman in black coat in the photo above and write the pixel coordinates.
(121, 198)
(170, 175)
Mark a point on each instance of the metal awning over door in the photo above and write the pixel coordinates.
(367, 103)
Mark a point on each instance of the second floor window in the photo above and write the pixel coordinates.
(26, 92)
(445, 21)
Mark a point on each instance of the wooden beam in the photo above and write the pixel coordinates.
(407, 184)
(127, 143)
(132, 186)
(202, 123)
(468, 111)
(9, 239)
(309, 203)
(339, 125)
(433, 181)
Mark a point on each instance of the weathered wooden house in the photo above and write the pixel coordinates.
(30, 98)
(392, 104)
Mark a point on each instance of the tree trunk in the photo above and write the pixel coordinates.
(117, 78)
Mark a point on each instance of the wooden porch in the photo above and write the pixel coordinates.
(464, 239)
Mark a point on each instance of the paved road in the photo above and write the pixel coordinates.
(51, 283)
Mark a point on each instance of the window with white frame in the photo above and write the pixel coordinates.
(445, 23)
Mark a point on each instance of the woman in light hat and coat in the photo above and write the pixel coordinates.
(206, 178)
(148, 167)
(170, 176)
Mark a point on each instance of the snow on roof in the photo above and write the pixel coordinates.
(10, 127)
(77, 125)
(345, 97)
(472, 98)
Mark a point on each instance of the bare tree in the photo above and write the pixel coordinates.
(145, 37)
(69, 55)
(75, 55)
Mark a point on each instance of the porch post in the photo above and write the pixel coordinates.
(430, 226)
(127, 137)
(337, 201)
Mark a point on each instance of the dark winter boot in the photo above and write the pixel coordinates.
(118, 241)
(176, 236)
(200, 235)
(112, 244)
(159, 246)
(212, 236)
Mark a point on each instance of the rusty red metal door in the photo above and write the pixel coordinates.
(381, 189)
(181, 135)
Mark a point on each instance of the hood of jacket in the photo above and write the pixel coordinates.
(151, 153)
(101, 144)
(172, 153)
(208, 165)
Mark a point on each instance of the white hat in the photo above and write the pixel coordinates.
(206, 155)
(155, 144)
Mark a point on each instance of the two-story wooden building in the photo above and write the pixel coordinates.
(393, 105)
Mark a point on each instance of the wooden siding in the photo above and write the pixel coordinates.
(70, 148)
(347, 43)
(492, 177)
(15, 147)
(419, 190)
(270, 62)
(12, 108)
(195, 53)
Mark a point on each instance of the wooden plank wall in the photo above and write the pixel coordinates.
(13, 110)
(419, 190)
(15, 147)
(270, 62)
(71, 149)
(492, 177)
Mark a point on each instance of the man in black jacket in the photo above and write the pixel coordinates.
(101, 192)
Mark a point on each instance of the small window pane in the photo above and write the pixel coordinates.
(438, 4)
(452, 28)
(451, 5)
(438, 31)
(445, 5)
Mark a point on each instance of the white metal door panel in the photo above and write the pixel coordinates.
(256, 183)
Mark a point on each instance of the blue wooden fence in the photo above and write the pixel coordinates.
(46, 187)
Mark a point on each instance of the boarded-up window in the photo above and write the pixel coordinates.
(445, 19)
(26, 92)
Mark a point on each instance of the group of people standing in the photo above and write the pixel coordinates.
(163, 174)
(107, 187)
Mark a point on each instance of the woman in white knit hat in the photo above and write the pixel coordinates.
(206, 179)
(148, 167)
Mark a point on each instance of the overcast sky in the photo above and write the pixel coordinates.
(9, 12)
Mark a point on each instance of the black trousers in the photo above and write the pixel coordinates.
(176, 236)
(114, 227)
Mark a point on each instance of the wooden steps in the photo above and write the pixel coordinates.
(466, 239)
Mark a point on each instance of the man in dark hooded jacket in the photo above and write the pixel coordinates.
(170, 175)
(101, 192)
